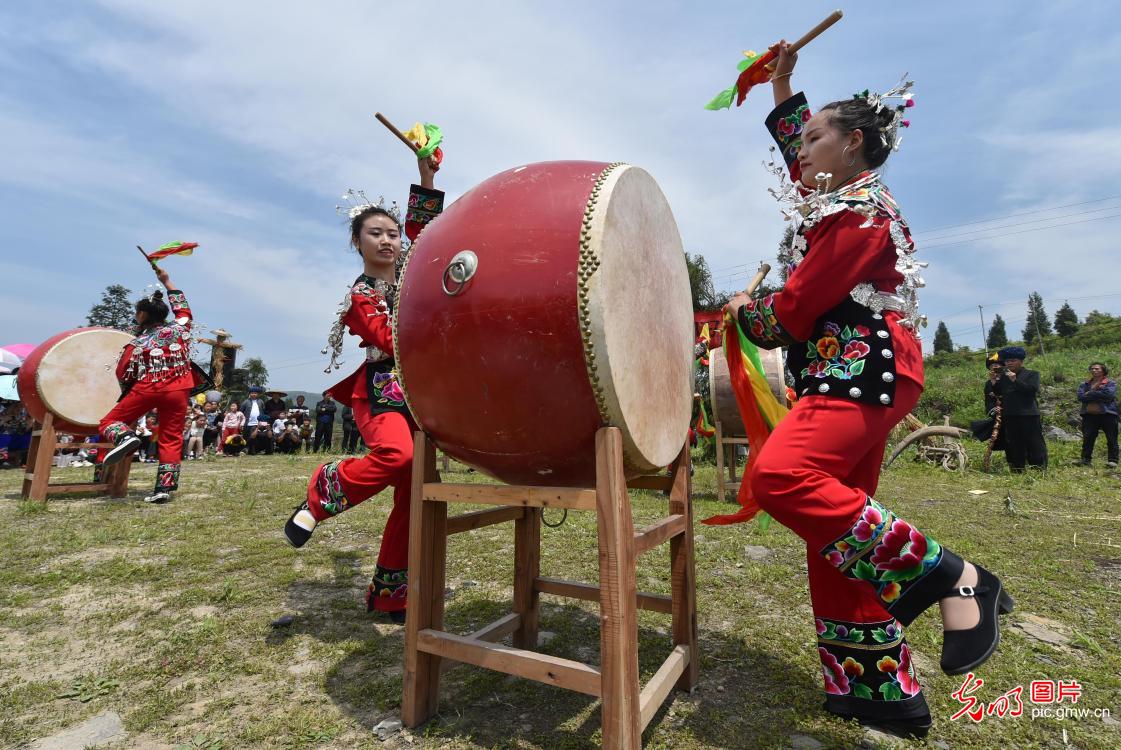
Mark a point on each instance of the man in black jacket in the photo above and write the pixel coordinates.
(324, 422)
(1018, 388)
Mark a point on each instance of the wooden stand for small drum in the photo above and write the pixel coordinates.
(40, 459)
(627, 708)
(726, 457)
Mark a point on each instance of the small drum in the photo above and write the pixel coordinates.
(723, 400)
(548, 301)
(73, 376)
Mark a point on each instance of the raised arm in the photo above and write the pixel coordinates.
(176, 300)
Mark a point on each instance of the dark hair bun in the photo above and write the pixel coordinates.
(157, 296)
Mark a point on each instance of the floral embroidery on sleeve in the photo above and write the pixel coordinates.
(759, 324)
(788, 131)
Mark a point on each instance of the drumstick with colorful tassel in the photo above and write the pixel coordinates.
(423, 139)
(171, 248)
(759, 68)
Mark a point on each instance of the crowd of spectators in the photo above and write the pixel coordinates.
(263, 424)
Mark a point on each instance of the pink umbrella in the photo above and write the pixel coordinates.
(12, 356)
(20, 350)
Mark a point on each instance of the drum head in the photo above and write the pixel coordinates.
(636, 316)
(77, 376)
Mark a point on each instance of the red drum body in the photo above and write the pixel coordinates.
(723, 400)
(577, 316)
(73, 376)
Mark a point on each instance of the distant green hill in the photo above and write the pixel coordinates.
(955, 383)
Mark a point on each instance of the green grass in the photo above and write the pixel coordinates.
(167, 608)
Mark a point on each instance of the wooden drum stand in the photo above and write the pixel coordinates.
(723, 459)
(627, 708)
(40, 455)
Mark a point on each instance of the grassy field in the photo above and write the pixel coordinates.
(162, 614)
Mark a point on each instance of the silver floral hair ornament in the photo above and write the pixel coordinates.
(356, 201)
(901, 93)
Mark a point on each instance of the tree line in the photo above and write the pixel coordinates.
(1096, 328)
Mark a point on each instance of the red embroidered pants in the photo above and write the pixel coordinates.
(171, 412)
(343, 484)
(817, 475)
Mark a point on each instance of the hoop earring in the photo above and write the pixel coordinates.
(851, 161)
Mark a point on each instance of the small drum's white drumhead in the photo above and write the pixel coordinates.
(77, 378)
(639, 317)
(723, 401)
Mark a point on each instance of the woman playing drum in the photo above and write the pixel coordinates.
(375, 396)
(849, 314)
(155, 372)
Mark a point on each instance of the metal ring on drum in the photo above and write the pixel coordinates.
(578, 316)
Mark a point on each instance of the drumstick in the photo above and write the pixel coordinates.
(393, 129)
(764, 269)
(151, 262)
(812, 34)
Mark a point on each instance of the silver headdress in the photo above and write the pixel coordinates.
(356, 202)
(901, 92)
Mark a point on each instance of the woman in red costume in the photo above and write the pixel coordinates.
(155, 373)
(849, 315)
(375, 396)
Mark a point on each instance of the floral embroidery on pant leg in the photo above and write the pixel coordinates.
(883, 550)
(871, 661)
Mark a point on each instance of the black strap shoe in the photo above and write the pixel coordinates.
(298, 528)
(124, 447)
(965, 650)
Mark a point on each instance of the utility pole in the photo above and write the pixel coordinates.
(984, 333)
(1039, 335)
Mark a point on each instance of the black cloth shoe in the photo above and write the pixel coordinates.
(965, 650)
(158, 498)
(296, 528)
(909, 718)
(124, 447)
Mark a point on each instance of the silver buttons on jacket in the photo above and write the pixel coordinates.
(886, 353)
(882, 334)
(885, 399)
(823, 388)
(855, 392)
(888, 377)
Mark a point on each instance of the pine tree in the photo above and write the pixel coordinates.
(942, 340)
(1037, 323)
(1066, 321)
(997, 337)
(114, 310)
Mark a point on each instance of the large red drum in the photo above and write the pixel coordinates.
(578, 315)
(73, 376)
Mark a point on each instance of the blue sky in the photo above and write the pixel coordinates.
(238, 125)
